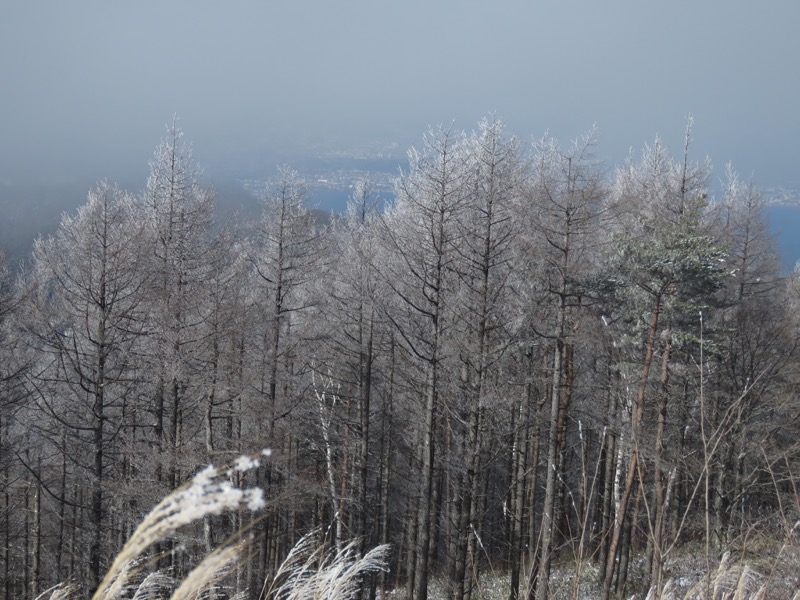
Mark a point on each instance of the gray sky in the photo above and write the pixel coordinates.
(87, 86)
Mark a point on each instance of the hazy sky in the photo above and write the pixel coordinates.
(87, 86)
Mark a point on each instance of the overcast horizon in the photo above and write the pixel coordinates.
(89, 86)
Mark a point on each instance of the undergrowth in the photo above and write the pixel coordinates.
(760, 567)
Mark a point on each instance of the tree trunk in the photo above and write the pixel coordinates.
(386, 464)
(425, 508)
(365, 396)
(36, 551)
(609, 458)
(538, 584)
(517, 520)
(637, 417)
(656, 558)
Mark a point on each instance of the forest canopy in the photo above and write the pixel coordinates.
(523, 361)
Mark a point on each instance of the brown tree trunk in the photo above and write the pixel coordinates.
(656, 558)
(637, 417)
(518, 488)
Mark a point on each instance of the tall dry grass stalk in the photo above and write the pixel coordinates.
(62, 591)
(312, 573)
(154, 587)
(211, 569)
(210, 492)
(309, 572)
(729, 581)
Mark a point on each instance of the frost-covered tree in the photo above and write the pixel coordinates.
(486, 234)
(564, 222)
(420, 234)
(754, 348)
(178, 212)
(521, 363)
(85, 316)
(13, 369)
(354, 337)
(287, 256)
(669, 269)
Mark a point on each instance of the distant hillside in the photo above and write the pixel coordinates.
(28, 210)
(33, 209)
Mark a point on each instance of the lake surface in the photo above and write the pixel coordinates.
(784, 222)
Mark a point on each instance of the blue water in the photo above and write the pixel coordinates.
(784, 222)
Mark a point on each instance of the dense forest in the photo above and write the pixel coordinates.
(525, 362)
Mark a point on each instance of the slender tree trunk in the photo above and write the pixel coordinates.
(425, 508)
(533, 499)
(73, 548)
(5, 519)
(386, 464)
(36, 549)
(656, 559)
(365, 377)
(609, 456)
(325, 416)
(438, 511)
(520, 452)
(538, 584)
(96, 512)
(627, 546)
(208, 416)
(637, 417)
(560, 511)
(476, 509)
(26, 542)
(466, 504)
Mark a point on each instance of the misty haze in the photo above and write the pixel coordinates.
(407, 300)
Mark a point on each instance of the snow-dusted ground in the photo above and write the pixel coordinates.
(776, 569)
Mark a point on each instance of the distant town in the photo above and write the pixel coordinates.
(778, 196)
(326, 179)
(323, 181)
